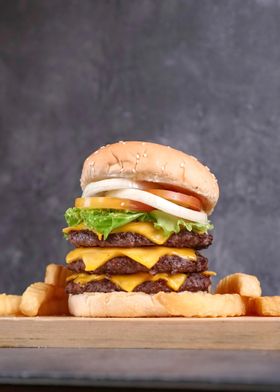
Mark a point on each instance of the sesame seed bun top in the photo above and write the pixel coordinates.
(144, 161)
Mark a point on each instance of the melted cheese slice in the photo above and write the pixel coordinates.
(209, 273)
(80, 227)
(93, 258)
(146, 229)
(129, 282)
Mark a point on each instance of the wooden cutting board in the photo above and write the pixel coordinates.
(220, 333)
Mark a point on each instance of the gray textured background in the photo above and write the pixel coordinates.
(203, 76)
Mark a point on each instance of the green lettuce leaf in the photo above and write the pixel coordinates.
(73, 216)
(101, 221)
(171, 224)
(104, 221)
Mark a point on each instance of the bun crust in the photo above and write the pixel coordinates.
(143, 161)
(186, 304)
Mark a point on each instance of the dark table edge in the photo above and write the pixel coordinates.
(139, 384)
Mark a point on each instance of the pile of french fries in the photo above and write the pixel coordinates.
(249, 288)
(48, 298)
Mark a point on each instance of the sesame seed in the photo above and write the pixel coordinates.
(137, 156)
(182, 164)
(133, 171)
(145, 155)
(162, 168)
(122, 204)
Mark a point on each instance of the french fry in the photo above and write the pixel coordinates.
(242, 284)
(43, 299)
(10, 305)
(56, 275)
(55, 307)
(265, 306)
(60, 293)
(202, 304)
(34, 296)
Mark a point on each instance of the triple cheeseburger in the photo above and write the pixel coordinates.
(138, 230)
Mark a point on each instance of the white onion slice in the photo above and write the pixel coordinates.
(159, 203)
(95, 188)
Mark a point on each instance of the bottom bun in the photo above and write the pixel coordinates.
(117, 304)
(186, 304)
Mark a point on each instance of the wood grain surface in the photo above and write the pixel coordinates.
(251, 333)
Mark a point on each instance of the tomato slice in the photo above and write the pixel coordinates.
(178, 198)
(113, 203)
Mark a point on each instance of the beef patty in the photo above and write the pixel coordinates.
(194, 282)
(183, 239)
(123, 265)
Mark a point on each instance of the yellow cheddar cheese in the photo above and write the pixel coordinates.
(93, 258)
(209, 273)
(146, 229)
(129, 282)
(80, 227)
